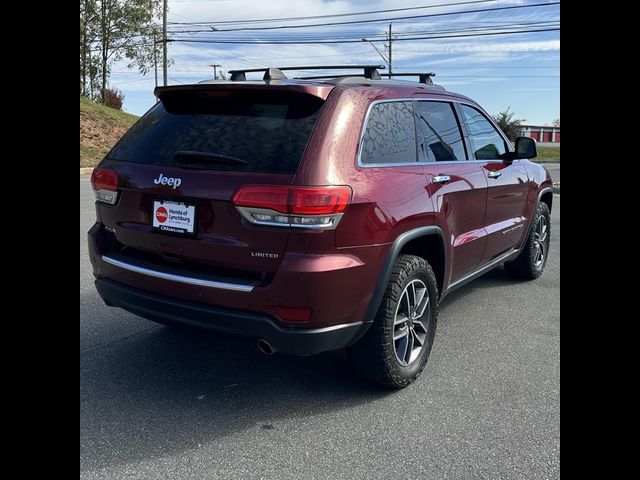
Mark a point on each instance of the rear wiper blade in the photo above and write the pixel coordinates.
(189, 156)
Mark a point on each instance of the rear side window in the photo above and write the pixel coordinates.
(486, 142)
(438, 132)
(390, 135)
(263, 131)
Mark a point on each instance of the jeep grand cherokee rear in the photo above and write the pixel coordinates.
(315, 215)
(200, 220)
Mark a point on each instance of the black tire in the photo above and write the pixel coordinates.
(527, 265)
(374, 355)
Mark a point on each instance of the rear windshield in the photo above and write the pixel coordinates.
(253, 131)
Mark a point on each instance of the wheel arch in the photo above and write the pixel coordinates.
(546, 196)
(426, 242)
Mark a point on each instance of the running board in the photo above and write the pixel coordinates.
(480, 271)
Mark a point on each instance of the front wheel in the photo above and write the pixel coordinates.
(530, 263)
(395, 349)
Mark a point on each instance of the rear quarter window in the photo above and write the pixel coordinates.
(389, 135)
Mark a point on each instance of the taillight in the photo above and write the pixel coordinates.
(304, 207)
(273, 198)
(105, 185)
(319, 200)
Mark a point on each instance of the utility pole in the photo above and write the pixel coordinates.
(164, 42)
(390, 58)
(155, 59)
(215, 72)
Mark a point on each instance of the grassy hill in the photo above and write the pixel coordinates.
(100, 128)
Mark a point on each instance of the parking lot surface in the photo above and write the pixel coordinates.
(157, 402)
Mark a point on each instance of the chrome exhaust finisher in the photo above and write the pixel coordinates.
(265, 347)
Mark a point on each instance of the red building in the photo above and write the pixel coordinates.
(541, 133)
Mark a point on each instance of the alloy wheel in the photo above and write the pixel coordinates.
(539, 241)
(410, 324)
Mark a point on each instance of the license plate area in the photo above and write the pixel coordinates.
(174, 217)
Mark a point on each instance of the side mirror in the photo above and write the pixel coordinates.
(526, 148)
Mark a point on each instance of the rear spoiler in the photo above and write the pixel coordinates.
(320, 91)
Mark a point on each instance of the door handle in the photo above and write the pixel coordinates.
(441, 179)
(494, 174)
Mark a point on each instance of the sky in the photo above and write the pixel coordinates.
(517, 71)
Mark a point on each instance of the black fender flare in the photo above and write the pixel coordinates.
(385, 274)
(540, 194)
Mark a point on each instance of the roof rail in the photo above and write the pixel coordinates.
(424, 77)
(271, 73)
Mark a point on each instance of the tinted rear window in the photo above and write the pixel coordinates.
(268, 130)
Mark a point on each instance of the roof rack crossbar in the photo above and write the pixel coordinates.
(424, 77)
(314, 77)
(270, 73)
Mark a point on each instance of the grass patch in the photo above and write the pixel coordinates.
(111, 115)
(548, 154)
(91, 156)
(100, 128)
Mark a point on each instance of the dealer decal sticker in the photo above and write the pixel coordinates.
(174, 217)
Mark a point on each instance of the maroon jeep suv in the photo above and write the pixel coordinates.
(315, 213)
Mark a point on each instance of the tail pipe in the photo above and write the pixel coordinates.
(265, 347)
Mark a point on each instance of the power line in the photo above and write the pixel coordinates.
(454, 22)
(477, 52)
(181, 16)
(489, 53)
(199, 1)
(498, 76)
(263, 20)
(436, 67)
(352, 22)
(289, 42)
(236, 58)
(383, 36)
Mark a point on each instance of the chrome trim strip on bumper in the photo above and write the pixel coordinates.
(238, 287)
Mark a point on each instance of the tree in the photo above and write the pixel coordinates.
(88, 37)
(556, 122)
(112, 30)
(114, 98)
(509, 125)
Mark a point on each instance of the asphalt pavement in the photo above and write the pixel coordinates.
(157, 402)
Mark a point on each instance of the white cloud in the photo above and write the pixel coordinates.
(192, 60)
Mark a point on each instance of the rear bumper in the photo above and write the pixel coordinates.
(295, 341)
(336, 287)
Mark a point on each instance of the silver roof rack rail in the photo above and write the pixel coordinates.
(275, 73)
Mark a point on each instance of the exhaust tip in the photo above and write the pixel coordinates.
(265, 347)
